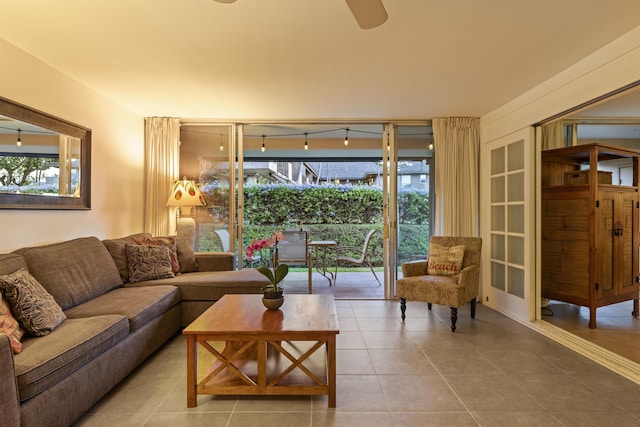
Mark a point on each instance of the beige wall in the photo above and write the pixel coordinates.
(117, 155)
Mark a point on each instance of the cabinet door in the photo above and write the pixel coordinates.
(626, 255)
(616, 244)
(605, 243)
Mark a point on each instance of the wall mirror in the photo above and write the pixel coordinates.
(45, 161)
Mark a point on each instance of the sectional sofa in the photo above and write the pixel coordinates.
(111, 322)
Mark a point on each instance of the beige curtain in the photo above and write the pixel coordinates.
(162, 168)
(552, 135)
(457, 158)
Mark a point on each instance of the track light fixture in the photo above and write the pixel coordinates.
(263, 147)
(430, 145)
(346, 137)
(19, 141)
(221, 146)
(306, 144)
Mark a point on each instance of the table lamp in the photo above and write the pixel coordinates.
(185, 193)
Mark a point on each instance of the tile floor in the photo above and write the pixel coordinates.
(350, 285)
(491, 372)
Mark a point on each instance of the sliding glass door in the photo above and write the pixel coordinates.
(337, 181)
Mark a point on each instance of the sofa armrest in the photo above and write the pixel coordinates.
(9, 398)
(414, 268)
(216, 261)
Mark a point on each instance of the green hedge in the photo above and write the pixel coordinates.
(342, 213)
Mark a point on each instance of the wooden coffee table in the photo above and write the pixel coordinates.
(290, 351)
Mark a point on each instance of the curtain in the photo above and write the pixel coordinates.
(457, 157)
(162, 168)
(552, 135)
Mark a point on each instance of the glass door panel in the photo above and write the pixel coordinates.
(205, 153)
(414, 190)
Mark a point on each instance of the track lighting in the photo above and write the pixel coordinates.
(263, 147)
(346, 137)
(306, 144)
(19, 141)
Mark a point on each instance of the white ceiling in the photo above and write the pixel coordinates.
(308, 59)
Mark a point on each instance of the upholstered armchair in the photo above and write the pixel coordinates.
(449, 286)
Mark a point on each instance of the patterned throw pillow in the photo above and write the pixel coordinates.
(10, 327)
(169, 242)
(445, 261)
(34, 308)
(147, 262)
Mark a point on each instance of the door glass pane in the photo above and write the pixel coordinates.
(516, 218)
(497, 247)
(497, 275)
(204, 158)
(516, 250)
(497, 189)
(515, 156)
(414, 168)
(497, 218)
(516, 282)
(497, 161)
(515, 184)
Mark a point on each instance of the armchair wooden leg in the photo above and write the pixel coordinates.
(403, 307)
(473, 308)
(429, 305)
(454, 318)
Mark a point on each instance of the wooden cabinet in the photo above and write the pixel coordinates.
(590, 230)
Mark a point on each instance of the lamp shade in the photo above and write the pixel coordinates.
(185, 193)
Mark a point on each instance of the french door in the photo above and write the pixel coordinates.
(508, 273)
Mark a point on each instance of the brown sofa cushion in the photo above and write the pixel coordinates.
(186, 255)
(140, 304)
(73, 271)
(211, 286)
(44, 361)
(10, 263)
(118, 253)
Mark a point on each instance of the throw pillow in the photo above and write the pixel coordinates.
(148, 262)
(186, 255)
(445, 261)
(119, 254)
(10, 327)
(34, 308)
(169, 242)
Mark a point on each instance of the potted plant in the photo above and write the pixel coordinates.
(272, 294)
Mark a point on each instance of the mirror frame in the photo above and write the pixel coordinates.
(37, 201)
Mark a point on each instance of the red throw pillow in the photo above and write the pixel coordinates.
(9, 326)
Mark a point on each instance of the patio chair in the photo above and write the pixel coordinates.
(449, 276)
(342, 259)
(294, 249)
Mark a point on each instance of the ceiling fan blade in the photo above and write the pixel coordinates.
(368, 13)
